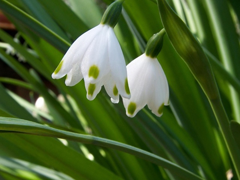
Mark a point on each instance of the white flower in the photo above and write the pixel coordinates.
(148, 86)
(97, 57)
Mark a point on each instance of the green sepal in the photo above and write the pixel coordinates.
(155, 44)
(112, 13)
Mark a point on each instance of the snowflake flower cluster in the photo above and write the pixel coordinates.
(96, 57)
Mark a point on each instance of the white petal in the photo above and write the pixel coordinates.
(93, 89)
(160, 94)
(74, 76)
(115, 101)
(111, 89)
(75, 52)
(95, 61)
(148, 85)
(164, 84)
(117, 64)
(139, 73)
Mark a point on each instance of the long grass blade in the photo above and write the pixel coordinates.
(27, 127)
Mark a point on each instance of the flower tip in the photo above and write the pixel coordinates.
(167, 103)
(158, 115)
(131, 109)
(127, 93)
(54, 75)
(115, 101)
(68, 82)
(91, 92)
(89, 97)
(127, 96)
(159, 112)
(131, 116)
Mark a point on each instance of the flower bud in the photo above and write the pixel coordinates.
(155, 44)
(112, 13)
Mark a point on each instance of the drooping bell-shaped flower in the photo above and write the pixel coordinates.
(147, 81)
(97, 57)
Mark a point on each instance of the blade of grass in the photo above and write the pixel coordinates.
(17, 83)
(235, 128)
(34, 25)
(35, 62)
(23, 126)
(30, 107)
(25, 170)
(36, 10)
(222, 72)
(227, 44)
(198, 63)
(56, 108)
(53, 154)
(10, 106)
(68, 17)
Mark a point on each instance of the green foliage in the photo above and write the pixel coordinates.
(73, 138)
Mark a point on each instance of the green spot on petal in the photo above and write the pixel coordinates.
(160, 109)
(126, 87)
(115, 91)
(58, 67)
(93, 71)
(131, 108)
(91, 89)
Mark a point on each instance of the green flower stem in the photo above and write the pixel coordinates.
(193, 55)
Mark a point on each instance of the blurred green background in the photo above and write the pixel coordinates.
(51, 131)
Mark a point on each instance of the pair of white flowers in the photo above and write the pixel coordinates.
(97, 57)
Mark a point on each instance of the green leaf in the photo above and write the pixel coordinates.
(235, 128)
(16, 83)
(193, 55)
(227, 44)
(42, 16)
(5, 114)
(88, 11)
(68, 19)
(236, 6)
(188, 48)
(61, 115)
(23, 126)
(11, 107)
(222, 72)
(25, 170)
(30, 107)
(53, 154)
(34, 25)
(34, 61)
